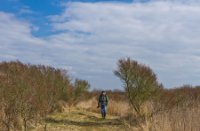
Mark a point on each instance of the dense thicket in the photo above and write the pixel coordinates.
(29, 92)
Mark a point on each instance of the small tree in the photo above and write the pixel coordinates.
(139, 82)
(78, 90)
(81, 87)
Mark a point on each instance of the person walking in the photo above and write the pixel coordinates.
(103, 102)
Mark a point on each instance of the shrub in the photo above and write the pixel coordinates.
(29, 92)
(139, 81)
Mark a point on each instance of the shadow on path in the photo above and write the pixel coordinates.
(92, 121)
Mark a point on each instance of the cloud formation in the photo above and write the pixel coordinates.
(91, 37)
(16, 40)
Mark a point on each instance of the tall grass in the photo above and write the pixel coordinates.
(183, 115)
(177, 119)
(118, 108)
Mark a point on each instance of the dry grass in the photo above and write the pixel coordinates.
(181, 118)
(81, 120)
(118, 108)
(177, 119)
(86, 117)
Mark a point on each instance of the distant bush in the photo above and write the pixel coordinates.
(79, 92)
(81, 87)
(183, 96)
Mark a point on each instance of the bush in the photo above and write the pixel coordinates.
(81, 87)
(29, 92)
(139, 81)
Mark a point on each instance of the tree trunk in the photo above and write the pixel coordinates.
(25, 124)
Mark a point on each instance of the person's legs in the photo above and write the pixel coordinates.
(103, 111)
(102, 114)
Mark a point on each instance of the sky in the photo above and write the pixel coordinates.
(88, 37)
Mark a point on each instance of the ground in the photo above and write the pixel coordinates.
(81, 120)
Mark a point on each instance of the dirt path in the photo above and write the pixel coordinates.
(79, 120)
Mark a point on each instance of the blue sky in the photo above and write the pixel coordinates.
(87, 37)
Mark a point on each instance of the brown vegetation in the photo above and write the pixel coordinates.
(149, 99)
(28, 93)
(179, 110)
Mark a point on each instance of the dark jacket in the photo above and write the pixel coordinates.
(103, 100)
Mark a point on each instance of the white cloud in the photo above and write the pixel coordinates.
(93, 36)
(161, 34)
(14, 30)
(17, 41)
